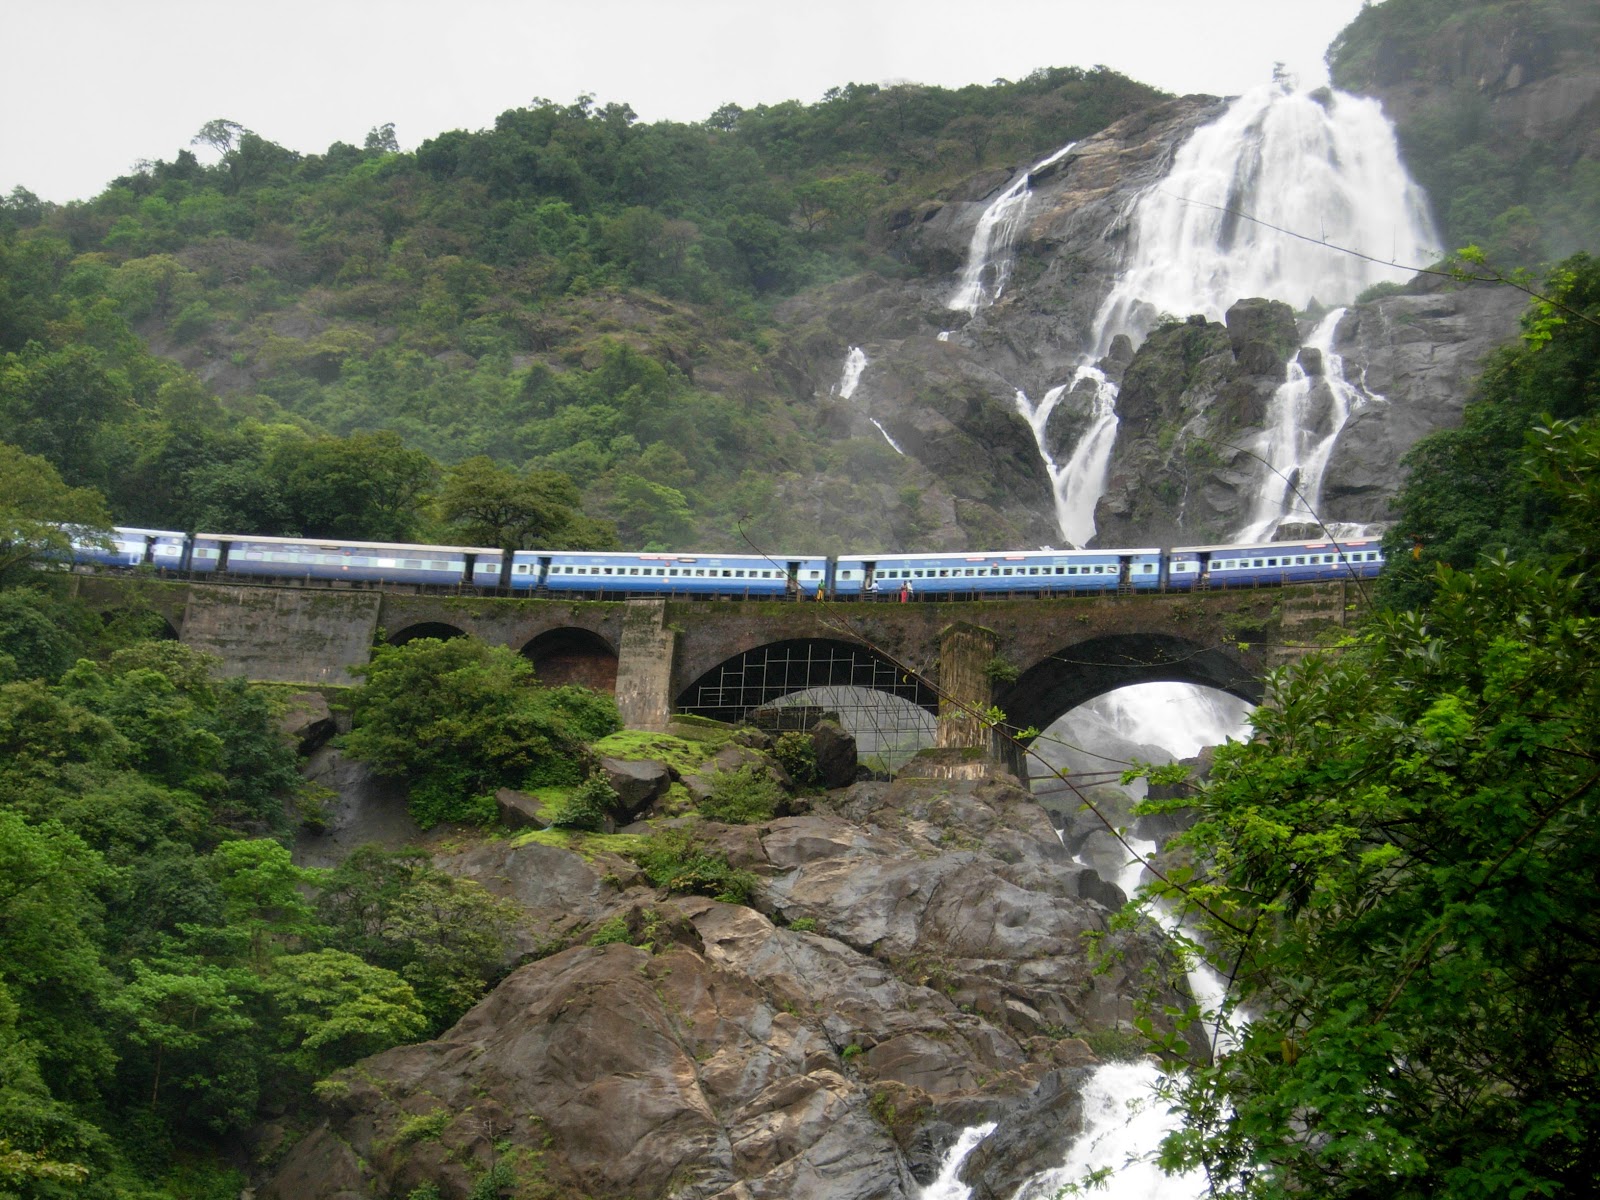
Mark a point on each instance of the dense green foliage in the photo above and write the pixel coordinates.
(1397, 872)
(571, 292)
(1470, 492)
(678, 860)
(460, 719)
(1525, 200)
(746, 795)
(166, 971)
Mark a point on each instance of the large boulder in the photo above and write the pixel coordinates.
(836, 754)
(639, 783)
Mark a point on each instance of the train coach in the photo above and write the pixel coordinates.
(974, 576)
(365, 562)
(1265, 564)
(751, 576)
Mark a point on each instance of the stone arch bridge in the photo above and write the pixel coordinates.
(1033, 659)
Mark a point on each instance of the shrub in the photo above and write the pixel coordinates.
(742, 797)
(798, 756)
(675, 859)
(589, 806)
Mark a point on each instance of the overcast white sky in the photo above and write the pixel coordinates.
(91, 86)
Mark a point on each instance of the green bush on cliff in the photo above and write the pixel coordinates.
(741, 797)
(461, 718)
(680, 861)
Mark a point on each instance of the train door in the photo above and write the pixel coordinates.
(1202, 581)
(869, 581)
(1124, 574)
(543, 571)
(791, 580)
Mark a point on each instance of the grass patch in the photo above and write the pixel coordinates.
(681, 754)
(587, 845)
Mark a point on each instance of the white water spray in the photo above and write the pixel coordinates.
(1122, 1124)
(854, 364)
(948, 1185)
(1304, 421)
(989, 261)
(1323, 165)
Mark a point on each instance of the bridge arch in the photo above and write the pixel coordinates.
(571, 654)
(1077, 673)
(425, 629)
(764, 674)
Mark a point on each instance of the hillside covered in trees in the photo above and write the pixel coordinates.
(584, 300)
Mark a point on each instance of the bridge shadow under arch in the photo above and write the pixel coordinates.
(573, 655)
(424, 629)
(763, 675)
(1079, 672)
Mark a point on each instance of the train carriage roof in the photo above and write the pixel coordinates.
(331, 545)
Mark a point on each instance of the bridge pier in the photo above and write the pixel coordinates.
(644, 666)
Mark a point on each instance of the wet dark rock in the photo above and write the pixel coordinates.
(836, 754)
(639, 783)
(518, 810)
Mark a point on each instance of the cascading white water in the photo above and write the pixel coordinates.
(893, 445)
(948, 1185)
(1122, 1123)
(1323, 166)
(854, 364)
(988, 266)
(1304, 421)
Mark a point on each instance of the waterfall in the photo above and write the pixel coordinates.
(948, 1185)
(989, 253)
(1122, 1123)
(893, 445)
(1321, 165)
(854, 364)
(1304, 421)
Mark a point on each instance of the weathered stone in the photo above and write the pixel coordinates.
(736, 1057)
(1263, 335)
(361, 809)
(637, 782)
(518, 810)
(1026, 1141)
(733, 758)
(836, 754)
(307, 721)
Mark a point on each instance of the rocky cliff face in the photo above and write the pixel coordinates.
(916, 960)
(1195, 396)
(1194, 402)
(944, 385)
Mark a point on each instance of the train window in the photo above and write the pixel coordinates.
(1272, 562)
(1299, 560)
(969, 572)
(1148, 567)
(522, 569)
(412, 564)
(700, 572)
(816, 574)
(1033, 570)
(1257, 562)
(1005, 570)
(944, 574)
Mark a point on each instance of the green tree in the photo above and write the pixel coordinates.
(494, 506)
(445, 936)
(459, 719)
(369, 486)
(40, 515)
(332, 1009)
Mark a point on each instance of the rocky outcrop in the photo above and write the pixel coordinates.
(1195, 399)
(913, 956)
(951, 404)
(1419, 353)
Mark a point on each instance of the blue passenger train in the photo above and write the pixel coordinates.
(614, 574)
